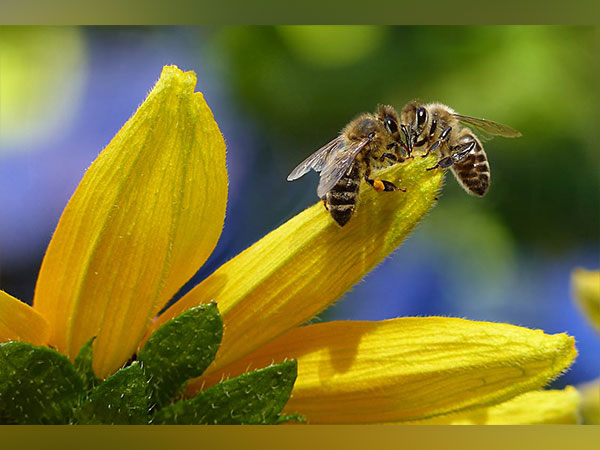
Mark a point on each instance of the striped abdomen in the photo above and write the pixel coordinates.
(341, 200)
(473, 172)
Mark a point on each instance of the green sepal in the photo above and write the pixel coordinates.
(284, 418)
(38, 385)
(83, 365)
(121, 399)
(181, 349)
(252, 398)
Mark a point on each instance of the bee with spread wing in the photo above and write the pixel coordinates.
(371, 141)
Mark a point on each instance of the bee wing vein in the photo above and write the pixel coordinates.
(487, 126)
(317, 160)
(337, 164)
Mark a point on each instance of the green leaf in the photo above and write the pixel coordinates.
(120, 400)
(38, 385)
(252, 398)
(83, 365)
(181, 349)
(290, 418)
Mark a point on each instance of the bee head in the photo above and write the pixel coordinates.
(396, 128)
(390, 120)
(364, 127)
(415, 117)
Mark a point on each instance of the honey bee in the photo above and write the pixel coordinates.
(436, 127)
(370, 141)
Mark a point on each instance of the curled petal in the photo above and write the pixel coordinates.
(409, 368)
(146, 215)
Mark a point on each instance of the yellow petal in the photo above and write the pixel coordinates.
(20, 322)
(146, 215)
(586, 286)
(309, 262)
(409, 368)
(531, 408)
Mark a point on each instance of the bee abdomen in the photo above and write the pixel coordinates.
(341, 213)
(474, 172)
(342, 199)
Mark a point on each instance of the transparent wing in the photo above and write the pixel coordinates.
(488, 127)
(317, 159)
(337, 164)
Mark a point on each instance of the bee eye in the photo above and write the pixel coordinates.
(391, 124)
(421, 116)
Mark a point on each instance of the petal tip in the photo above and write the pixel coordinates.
(173, 76)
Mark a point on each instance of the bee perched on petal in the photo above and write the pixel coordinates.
(436, 127)
(370, 141)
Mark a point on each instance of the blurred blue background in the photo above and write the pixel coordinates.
(278, 94)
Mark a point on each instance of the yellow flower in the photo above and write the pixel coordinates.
(149, 212)
(586, 287)
(586, 290)
(590, 402)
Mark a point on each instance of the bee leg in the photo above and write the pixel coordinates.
(383, 185)
(325, 203)
(391, 158)
(376, 184)
(435, 145)
(399, 151)
(443, 138)
(442, 163)
(389, 186)
(459, 155)
(380, 185)
(455, 157)
(402, 153)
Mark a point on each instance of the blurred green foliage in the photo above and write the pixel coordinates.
(303, 84)
(41, 83)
